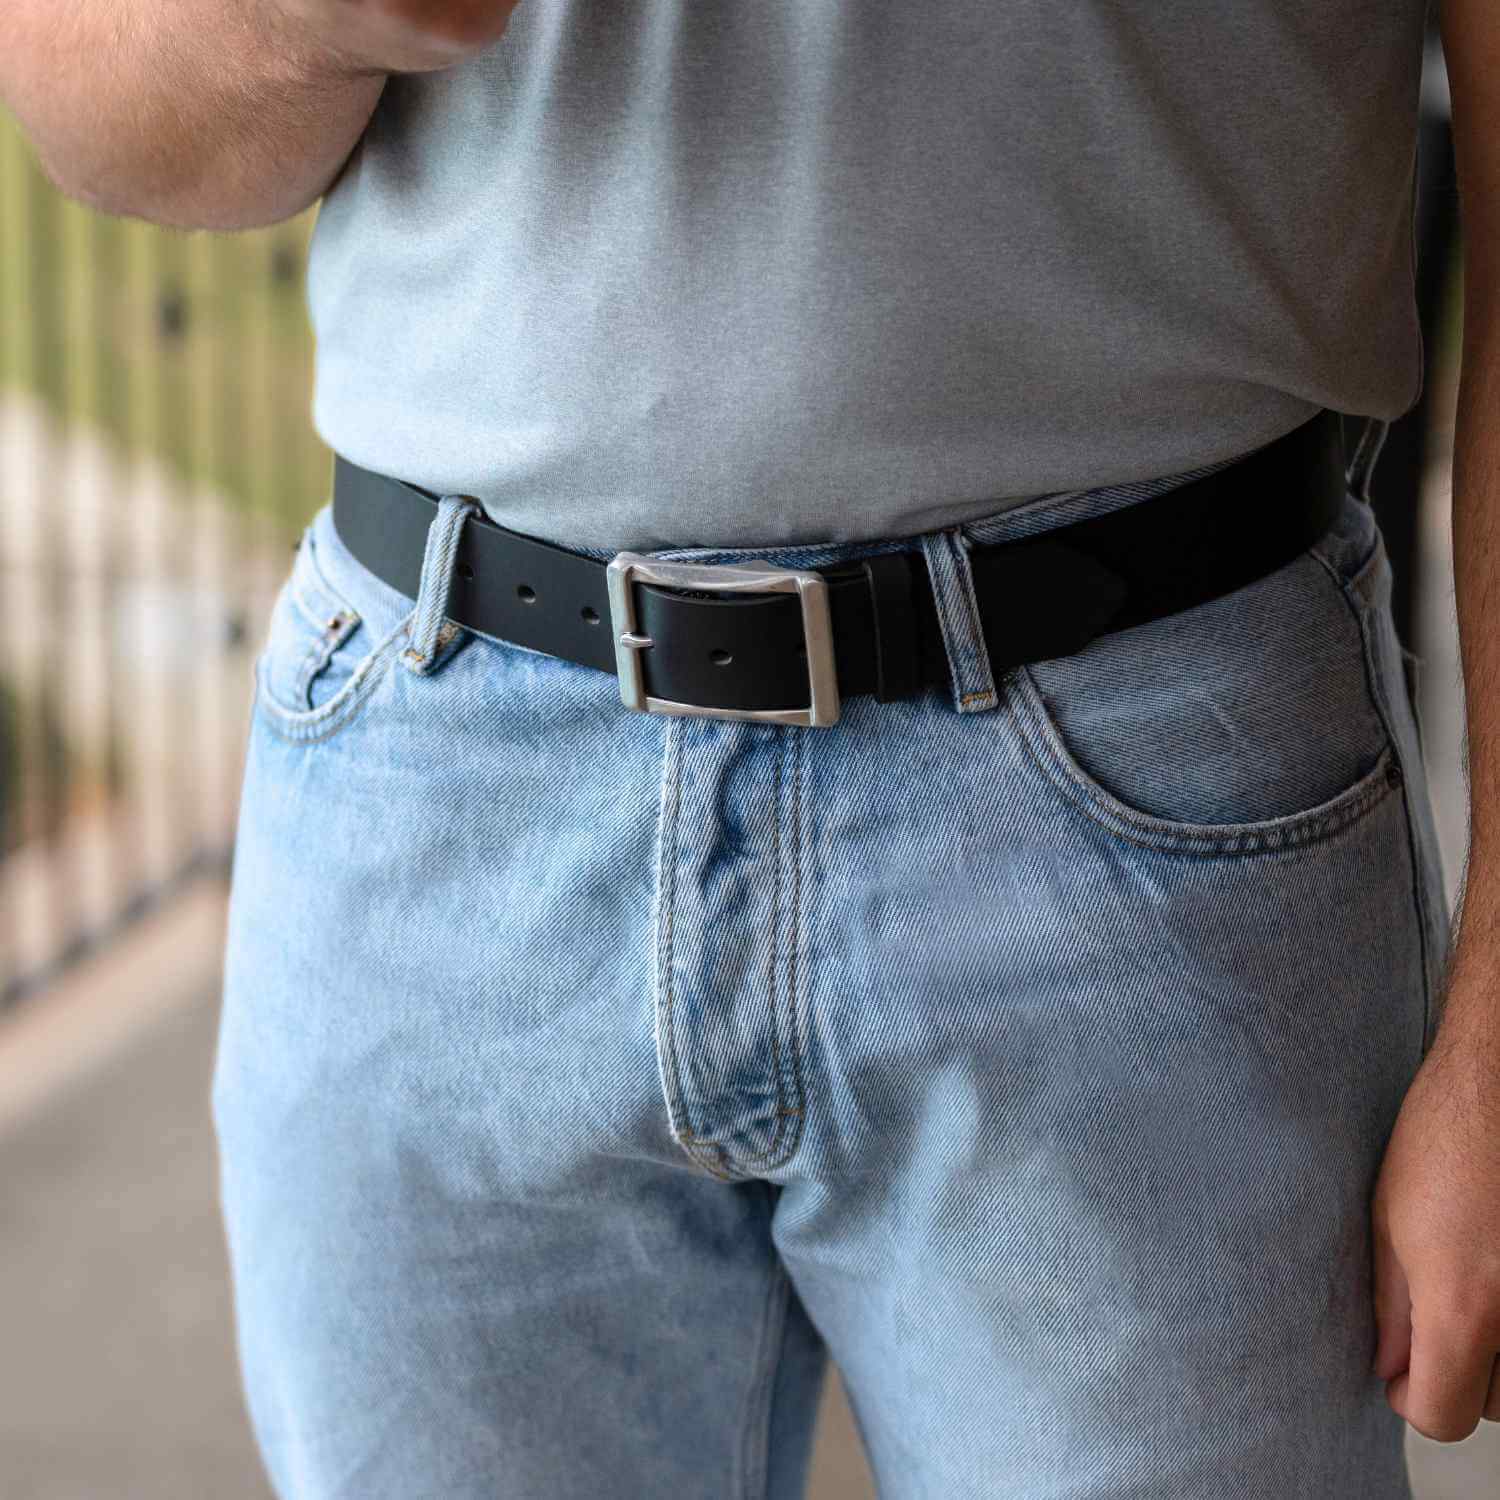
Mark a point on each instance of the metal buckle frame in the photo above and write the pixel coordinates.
(752, 577)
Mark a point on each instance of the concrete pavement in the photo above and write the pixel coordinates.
(117, 1378)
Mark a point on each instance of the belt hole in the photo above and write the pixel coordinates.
(720, 657)
(465, 571)
(527, 593)
(590, 614)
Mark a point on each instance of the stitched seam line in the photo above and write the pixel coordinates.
(755, 1442)
(784, 1135)
(312, 596)
(1036, 727)
(1352, 590)
(1413, 847)
(789, 1117)
(1352, 583)
(795, 970)
(436, 585)
(678, 1118)
(944, 605)
(311, 726)
(747, 1164)
(976, 643)
(315, 583)
(1374, 786)
(666, 880)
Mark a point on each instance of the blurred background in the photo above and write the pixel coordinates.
(157, 465)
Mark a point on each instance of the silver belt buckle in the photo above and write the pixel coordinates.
(753, 577)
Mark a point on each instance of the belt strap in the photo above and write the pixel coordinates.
(1039, 597)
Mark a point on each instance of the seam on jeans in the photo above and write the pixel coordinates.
(1254, 837)
(797, 964)
(1351, 591)
(1216, 841)
(312, 590)
(693, 1146)
(1413, 846)
(743, 1163)
(314, 725)
(789, 1116)
(773, 962)
(1349, 584)
(786, 1136)
(678, 1119)
(315, 611)
(755, 1442)
(774, 1153)
(1363, 608)
(333, 636)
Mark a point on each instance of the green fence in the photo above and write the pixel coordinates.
(157, 462)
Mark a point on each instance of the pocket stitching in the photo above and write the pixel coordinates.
(1351, 583)
(316, 599)
(1049, 752)
(1044, 747)
(317, 602)
(333, 637)
(305, 726)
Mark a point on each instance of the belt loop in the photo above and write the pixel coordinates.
(947, 554)
(430, 628)
(1366, 451)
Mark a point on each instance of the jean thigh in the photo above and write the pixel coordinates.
(1084, 1209)
(468, 1258)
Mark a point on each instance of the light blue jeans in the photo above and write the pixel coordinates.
(587, 1078)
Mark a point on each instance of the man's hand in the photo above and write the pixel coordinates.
(401, 36)
(1436, 1225)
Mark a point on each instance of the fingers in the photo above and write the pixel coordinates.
(1447, 1386)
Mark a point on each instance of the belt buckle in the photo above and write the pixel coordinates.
(754, 577)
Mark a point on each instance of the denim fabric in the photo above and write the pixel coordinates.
(587, 1078)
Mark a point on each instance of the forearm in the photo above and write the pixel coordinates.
(1476, 500)
(218, 114)
(1476, 566)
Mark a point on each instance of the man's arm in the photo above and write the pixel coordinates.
(1437, 1203)
(216, 114)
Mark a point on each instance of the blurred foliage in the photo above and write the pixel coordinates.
(30, 724)
(193, 347)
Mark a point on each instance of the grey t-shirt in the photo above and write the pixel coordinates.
(669, 273)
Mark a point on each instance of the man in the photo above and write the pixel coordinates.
(1024, 983)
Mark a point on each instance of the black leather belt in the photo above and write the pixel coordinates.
(787, 644)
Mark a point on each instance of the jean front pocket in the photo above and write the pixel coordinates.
(1245, 723)
(333, 632)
